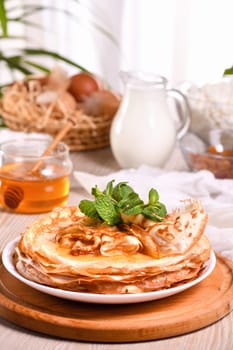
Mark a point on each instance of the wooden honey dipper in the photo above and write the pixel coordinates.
(14, 194)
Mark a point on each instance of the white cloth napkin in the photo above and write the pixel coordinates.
(216, 196)
(7, 134)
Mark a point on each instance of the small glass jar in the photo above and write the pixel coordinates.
(25, 190)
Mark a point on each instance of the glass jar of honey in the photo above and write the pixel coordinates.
(25, 190)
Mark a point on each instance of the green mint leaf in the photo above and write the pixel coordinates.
(107, 210)
(159, 208)
(153, 196)
(131, 201)
(109, 189)
(88, 208)
(121, 191)
(155, 212)
(134, 210)
(151, 214)
(95, 191)
(162, 210)
(113, 202)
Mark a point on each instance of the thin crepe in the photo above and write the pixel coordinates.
(67, 250)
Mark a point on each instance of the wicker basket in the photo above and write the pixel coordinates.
(22, 112)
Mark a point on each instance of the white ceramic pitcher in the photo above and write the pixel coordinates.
(144, 130)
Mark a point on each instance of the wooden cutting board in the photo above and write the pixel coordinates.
(190, 310)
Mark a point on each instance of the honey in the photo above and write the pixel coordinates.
(26, 192)
(225, 152)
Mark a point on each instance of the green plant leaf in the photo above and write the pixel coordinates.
(115, 202)
(27, 23)
(228, 71)
(13, 37)
(162, 211)
(29, 10)
(134, 210)
(109, 188)
(153, 196)
(88, 208)
(121, 191)
(13, 63)
(21, 14)
(96, 192)
(107, 210)
(3, 19)
(55, 55)
(132, 200)
(155, 212)
(37, 66)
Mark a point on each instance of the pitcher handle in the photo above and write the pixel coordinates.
(183, 111)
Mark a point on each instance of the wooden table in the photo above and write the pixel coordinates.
(218, 336)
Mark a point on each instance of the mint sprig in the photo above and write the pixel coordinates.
(121, 200)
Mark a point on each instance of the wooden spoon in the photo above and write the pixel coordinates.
(14, 194)
(53, 145)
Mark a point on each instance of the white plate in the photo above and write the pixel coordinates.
(103, 298)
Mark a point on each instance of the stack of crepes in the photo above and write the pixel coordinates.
(68, 250)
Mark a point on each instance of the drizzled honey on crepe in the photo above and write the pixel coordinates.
(68, 250)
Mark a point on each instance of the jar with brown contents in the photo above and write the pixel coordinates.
(220, 163)
(24, 191)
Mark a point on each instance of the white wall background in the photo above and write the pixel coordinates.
(180, 39)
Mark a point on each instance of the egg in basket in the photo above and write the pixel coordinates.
(43, 104)
(115, 244)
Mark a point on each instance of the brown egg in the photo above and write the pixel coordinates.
(68, 100)
(102, 102)
(82, 85)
